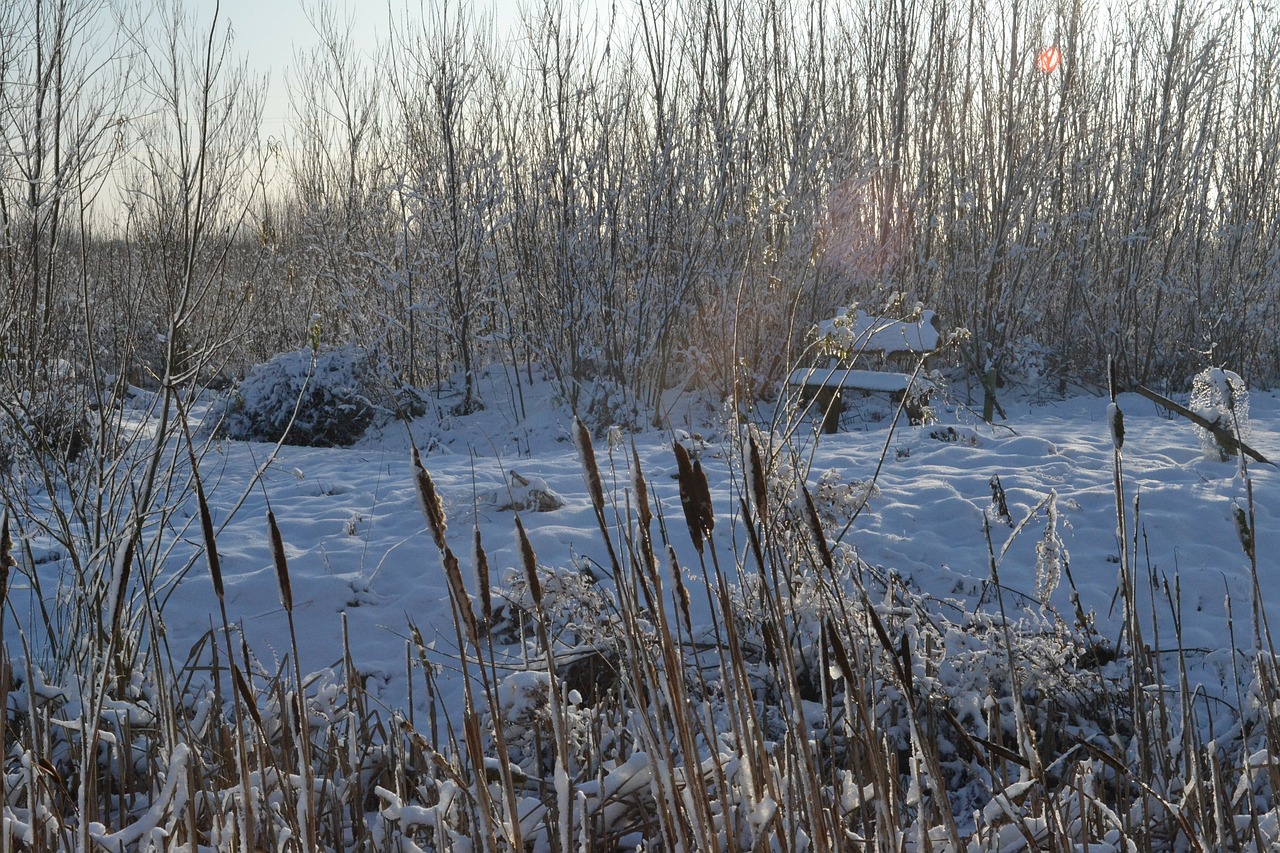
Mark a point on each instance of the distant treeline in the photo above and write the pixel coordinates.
(668, 194)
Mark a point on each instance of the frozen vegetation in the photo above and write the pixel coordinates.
(426, 476)
(893, 638)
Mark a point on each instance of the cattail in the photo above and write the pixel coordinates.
(769, 640)
(6, 557)
(1115, 425)
(842, 656)
(458, 590)
(590, 471)
(682, 594)
(881, 632)
(432, 508)
(210, 544)
(6, 546)
(702, 497)
(999, 500)
(1243, 530)
(640, 488)
(908, 671)
(648, 573)
(684, 476)
(755, 477)
(530, 565)
(753, 539)
(815, 526)
(246, 695)
(120, 581)
(282, 565)
(482, 578)
(695, 497)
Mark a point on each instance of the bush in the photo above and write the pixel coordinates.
(1222, 398)
(318, 399)
(44, 415)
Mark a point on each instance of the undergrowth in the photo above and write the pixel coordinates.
(825, 705)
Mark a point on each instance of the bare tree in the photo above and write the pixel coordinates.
(451, 190)
(60, 98)
(664, 198)
(342, 207)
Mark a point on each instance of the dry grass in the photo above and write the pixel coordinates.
(823, 706)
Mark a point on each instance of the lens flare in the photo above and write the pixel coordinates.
(1049, 59)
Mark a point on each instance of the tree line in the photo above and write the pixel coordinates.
(645, 196)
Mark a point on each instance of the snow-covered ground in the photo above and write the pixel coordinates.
(357, 546)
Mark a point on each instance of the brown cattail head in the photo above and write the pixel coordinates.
(641, 489)
(695, 496)
(702, 494)
(590, 470)
(429, 498)
(6, 545)
(1243, 530)
(753, 539)
(282, 565)
(453, 572)
(6, 557)
(124, 565)
(210, 544)
(841, 656)
(530, 565)
(682, 593)
(815, 525)
(755, 478)
(1115, 424)
(482, 579)
(246, 695)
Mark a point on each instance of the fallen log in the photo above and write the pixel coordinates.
(1225, 437)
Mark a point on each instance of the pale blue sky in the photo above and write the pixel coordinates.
(270, 32)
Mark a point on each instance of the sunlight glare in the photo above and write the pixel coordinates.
(1049, 59)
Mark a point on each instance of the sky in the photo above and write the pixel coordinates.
(269, 33)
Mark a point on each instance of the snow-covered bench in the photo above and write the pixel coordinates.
(889, 350)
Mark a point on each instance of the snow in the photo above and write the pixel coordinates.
(357, 544)
(172, 799)
(863, 331)
(882, 381)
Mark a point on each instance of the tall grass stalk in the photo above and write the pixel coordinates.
(306, 804)
(811, 702)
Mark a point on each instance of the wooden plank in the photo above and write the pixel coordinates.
(845, 379)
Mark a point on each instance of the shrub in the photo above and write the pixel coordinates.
(327, 398)
(1222, 397)
(45, 415)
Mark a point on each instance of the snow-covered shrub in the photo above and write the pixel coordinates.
(320, 399)
(1222, 398)
(46, 418)
(523, 494)
(578, 610)
(837, 498)
(524, 699)
(611, 406)
(582, 624)
(950, 434)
